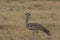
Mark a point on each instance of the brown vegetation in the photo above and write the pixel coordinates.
(12, 19)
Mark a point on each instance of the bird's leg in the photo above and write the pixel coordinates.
(33, 35)
(48, 38)
(37, 35)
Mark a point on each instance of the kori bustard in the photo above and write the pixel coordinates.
(35, 26)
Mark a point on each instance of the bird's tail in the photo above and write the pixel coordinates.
(47, 32)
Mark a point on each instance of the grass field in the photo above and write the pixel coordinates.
(12, 19)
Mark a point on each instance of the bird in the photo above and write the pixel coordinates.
(35, 27)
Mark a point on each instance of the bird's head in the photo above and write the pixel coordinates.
(27, 14)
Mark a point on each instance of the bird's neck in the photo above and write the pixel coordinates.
(27, 19)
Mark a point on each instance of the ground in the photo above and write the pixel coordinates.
(12, 19)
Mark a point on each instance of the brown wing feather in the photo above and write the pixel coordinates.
(36, 26)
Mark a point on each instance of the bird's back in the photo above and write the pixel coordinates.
(36, 26)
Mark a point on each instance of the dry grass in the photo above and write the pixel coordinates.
(12, 19)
